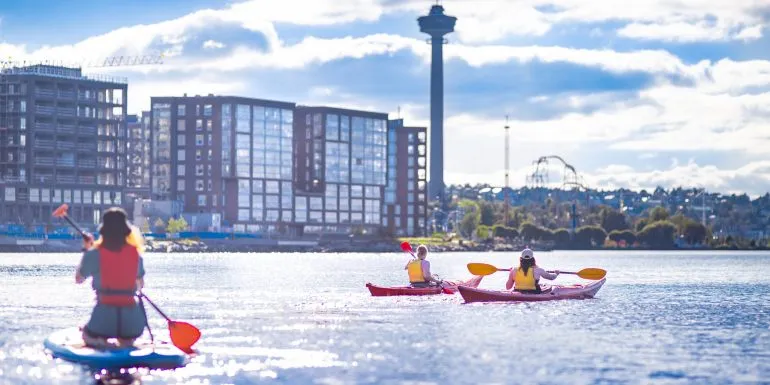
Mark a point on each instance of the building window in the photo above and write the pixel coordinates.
(180, 125)
(198, 185)
(199, 170)
(180, 110)
(201, 200)
(198, 125)
(199, 140)
(180, 140)
(180, 171)
(180, 155)
(180, 185)
(207, 110)
(198, 155)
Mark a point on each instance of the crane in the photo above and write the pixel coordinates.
(9, 67)
(112, 61)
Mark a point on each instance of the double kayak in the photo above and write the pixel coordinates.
(68, 345)
(449, 287)
(549, 293)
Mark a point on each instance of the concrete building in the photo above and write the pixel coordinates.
(437, 25)
(62, 139)
(405, 211)
(138, 156)
(225, 154)
(340, 170)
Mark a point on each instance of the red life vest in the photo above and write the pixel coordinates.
(118, 272)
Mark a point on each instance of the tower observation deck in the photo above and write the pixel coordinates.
(437, 24)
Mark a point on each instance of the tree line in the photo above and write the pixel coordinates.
(599, 226)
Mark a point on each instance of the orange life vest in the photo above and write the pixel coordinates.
(118, 272)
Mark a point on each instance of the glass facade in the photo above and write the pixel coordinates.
(263, 163)
(161, 144)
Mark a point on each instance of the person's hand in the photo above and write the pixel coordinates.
(88, 241)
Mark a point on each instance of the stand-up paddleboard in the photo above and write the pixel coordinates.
(68, 345)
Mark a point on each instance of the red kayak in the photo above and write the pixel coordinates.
(550, 293)
(449, 287)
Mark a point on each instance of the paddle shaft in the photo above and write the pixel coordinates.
(82, 233)
(549, 271)
(155, 307)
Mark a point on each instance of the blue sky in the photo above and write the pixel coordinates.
(658, 93)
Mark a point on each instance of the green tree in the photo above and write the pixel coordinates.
(505, 232)
(626, 236)
(613, 220)
(562, 237)
(482, 232)
(659, 234)
(530, 231)
(176, 225)
(588, 236)
(487, 213)
(658, 214)
(694, 232)
(471, 219)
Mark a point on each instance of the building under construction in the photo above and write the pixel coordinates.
(62, 139)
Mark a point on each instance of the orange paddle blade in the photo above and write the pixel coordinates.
(483, 268)
(594, 273)
(61, 211)
(183, 335)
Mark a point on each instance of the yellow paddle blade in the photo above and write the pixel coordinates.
(481, 268)
(594, 273)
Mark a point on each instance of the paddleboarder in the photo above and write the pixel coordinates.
(419, 270)
(117, 272)
(526, 277)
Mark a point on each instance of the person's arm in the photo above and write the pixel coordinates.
(509, 284)
(87, 266)
(426, 272)
(547, 275)
(140, 275)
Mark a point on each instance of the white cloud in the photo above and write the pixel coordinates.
(213, 44)
(139, 91)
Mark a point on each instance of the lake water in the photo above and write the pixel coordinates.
(661, 318)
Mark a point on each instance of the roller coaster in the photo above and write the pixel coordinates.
(540, 178)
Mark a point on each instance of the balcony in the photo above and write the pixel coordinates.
(65, 111)
(87, 164)
(67, 128)
(65, 179)
(87, 179)
(45, 92)
(87, 147)
(65, 162)
(45, 110)
(65, 145)
(85, 130)
(45, 127)
(90, 98)
(66, 94)
(43, 161)
(44, 144)
(43, 178)
(13, 179)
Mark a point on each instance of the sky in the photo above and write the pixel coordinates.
(649, 93)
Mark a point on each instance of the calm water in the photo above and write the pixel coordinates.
(661, 318)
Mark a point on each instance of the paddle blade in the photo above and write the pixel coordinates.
(481, 268)
(406, 247)
(61, 211)
(593, 273)
(183, 335)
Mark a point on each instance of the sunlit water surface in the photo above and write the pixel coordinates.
(661, 318)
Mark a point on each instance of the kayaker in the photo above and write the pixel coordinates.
(117, 272)
(526, 277)
(419, 270)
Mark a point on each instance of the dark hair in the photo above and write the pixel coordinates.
(114, 227)
(526, 263)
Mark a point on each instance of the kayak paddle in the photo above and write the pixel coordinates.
(407, 248)
(592, 273)
(183, 335)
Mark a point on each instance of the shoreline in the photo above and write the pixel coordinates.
(374, 246)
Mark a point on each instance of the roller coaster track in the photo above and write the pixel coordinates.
(540, 174)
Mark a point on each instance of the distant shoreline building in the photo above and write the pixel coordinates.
(62, 140)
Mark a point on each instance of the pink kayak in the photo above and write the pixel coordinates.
(550, 293)
(450, 287)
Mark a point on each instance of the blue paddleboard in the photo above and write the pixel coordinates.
(68, 345)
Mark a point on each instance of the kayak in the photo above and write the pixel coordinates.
(68, 345)
(550, 293)
(450, 287)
